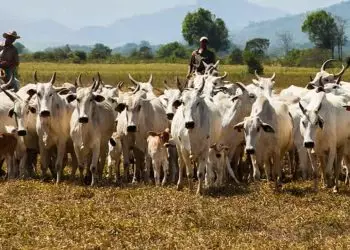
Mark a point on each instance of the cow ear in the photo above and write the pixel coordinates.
(32, 109)
(320, 122)
(99, 98)
(64, 92)
(152, 133)
(31, 92)
(267, 128)
(11, 112)
(239, 127)
(310, 86)
(112, 142)
(256, 82)
(71, 98)
(120, 107)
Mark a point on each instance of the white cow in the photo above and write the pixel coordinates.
(196, 126)
(52, 124)
(324, 127)
(264, 85)
(268, 136)
(91, 127)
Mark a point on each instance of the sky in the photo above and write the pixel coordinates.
(79, 13)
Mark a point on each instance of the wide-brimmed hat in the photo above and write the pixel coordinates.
(12, 34)
(204, 38)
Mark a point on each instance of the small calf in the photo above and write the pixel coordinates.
(157, 151)
(8, 145)
(114, 156)
(216, 167)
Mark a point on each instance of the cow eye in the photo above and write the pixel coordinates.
(258, 129)
(138, 108)
(78, 100)
(50, 94)
(251, 96)
(39, 95)
(177, 103)
(304, 124)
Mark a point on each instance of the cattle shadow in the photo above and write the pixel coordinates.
(227, 191)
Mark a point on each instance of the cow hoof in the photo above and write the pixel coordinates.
(335, 190)
(179, 187)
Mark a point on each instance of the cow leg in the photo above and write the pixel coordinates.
(74, 165)
(10, 167)
(110, 163)
(156, 171)
(165, 165)
(201, 174)
(117, 168)
(94, 164)
(278, 171)
(337, 165)
(138, 167)
(61, 152)
(256, 171)
(181, 169)
(329, 167)
(147, 169)
(45, 161)
(102, 157)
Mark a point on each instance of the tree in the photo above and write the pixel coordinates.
(79, 56)
(285, 41)
(204, 23)
(236, 56)
(322, 30)
(254, 52)
(20, 47)
(172, 50)
(100, 51)
(341, 37)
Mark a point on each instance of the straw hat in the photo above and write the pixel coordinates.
(11, 33)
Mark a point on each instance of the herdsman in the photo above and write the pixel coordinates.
(200, 55)
(9, 59)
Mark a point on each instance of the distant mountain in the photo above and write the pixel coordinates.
(160, 27)
(269, 29)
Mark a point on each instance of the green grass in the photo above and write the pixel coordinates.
(37, 215)
(112, 73)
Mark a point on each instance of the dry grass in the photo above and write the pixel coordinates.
(40, 215)
(37, 215)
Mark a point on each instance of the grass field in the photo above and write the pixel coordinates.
(37, 215)
(113, 73)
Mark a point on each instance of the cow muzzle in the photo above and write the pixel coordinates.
(170, 116)
(189, 125)
(21, 133)
(309, 144)
(45, 113)
(83, 120)
(250, 151)
(131, 129)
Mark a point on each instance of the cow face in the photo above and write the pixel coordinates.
(86, 100)
(171, 101)
(253, 128)
(19, 111)
(323, 77)
(264, 85)
(310, 123)
(134, 108)
(192, 102)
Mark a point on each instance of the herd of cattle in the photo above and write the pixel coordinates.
(226, 131)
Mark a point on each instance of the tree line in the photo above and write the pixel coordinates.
(325, 31)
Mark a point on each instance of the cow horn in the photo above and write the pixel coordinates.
(53, 78)
(120, 85)
(12, 98)
(99, 77)
(241, 86)
(257, 75)
(200, 90)
(179, 85)
(35, 77)
(224, 76)
(78, 81)
(302, 108)
(133, 80)
(166, 84)
(205, 64)
(273, 76)
(324, 65)
(311, 79)
(150, 79)
(8, 84)
(136, 89)
(214, 146)
(339, 80)
(216, 64)
(320, 82)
